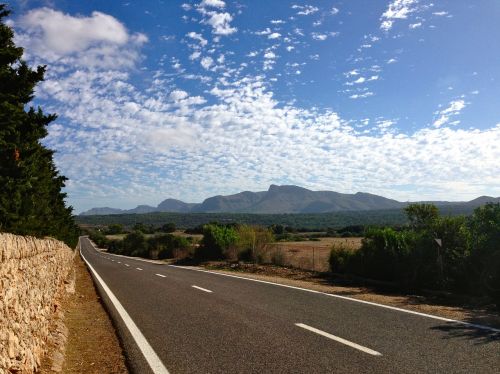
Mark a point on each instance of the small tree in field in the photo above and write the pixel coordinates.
(421, 216)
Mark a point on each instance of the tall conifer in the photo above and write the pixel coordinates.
(31, 197)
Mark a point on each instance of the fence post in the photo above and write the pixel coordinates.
(314, 268)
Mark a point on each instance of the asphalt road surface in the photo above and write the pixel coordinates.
(180, 320)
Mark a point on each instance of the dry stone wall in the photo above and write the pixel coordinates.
(32, 276)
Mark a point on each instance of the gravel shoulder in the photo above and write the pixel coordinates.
(457, 307)
(92, 345)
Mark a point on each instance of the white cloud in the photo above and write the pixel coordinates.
(220, 23)
(195, 55)
(305, 10)
(454, 109)
(198, 37)
(440, 14)
(213, 3)
(99, 40)
(267, 31)
(415, 25)
(207, 62)
(318, 36)
(391, 61)
(274, 35)
(178, 95)
(270, 55)
(361, 95)
(334, 11)
(397, 9)
(277, 21)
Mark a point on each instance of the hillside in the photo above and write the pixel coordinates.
(284, 200)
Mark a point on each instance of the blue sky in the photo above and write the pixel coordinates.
(162, 99)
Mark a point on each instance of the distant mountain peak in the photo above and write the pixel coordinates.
(281, 199)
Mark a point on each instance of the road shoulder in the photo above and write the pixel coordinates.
(92, 345)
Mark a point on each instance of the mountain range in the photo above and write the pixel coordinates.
(283, 199)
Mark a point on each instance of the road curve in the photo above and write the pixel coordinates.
(200, 322)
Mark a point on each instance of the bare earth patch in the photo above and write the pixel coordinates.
(457, 307)
(92, 345)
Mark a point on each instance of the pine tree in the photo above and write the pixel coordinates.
(31, 197)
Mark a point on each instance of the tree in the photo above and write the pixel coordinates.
(31, 197)
(421, 216)
(216, 241)
(168, 227)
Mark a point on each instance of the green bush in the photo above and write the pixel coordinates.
(216, 241)
(340, 259)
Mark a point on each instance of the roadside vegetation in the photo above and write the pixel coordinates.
(458, 254)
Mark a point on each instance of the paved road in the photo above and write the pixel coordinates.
(199, 322)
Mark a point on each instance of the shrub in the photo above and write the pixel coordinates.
(216, 241)
(340, 259)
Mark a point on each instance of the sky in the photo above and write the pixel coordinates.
(181, 99)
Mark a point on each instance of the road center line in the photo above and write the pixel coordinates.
(149, 354)
(138, 268)
(340, 340)
(161, 275)
(463, 323)
(202, 289)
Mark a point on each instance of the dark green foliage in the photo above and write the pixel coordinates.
(168, 227)
(308, 222)
(114, 229)
(445, 253)
(144, 228)
(216, 241)
(31, 197)
(484, 226)
(340, 259)
(421, 216)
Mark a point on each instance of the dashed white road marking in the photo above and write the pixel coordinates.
(138, 268)
(340, 340)
(126, 264)
(201, 289)
(463, 323)
(161, 275)
(150, 355)
(119, 262)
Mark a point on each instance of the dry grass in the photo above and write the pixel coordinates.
(309, 255)
(92, 345)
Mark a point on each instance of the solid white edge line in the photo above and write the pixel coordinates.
(340, 340)
(468, 324)
(161, 275)
(148, 352)
(201, 289)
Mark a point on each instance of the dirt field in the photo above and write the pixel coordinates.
(309, 255)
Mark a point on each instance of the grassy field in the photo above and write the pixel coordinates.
(309, 255)
(176, 233)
